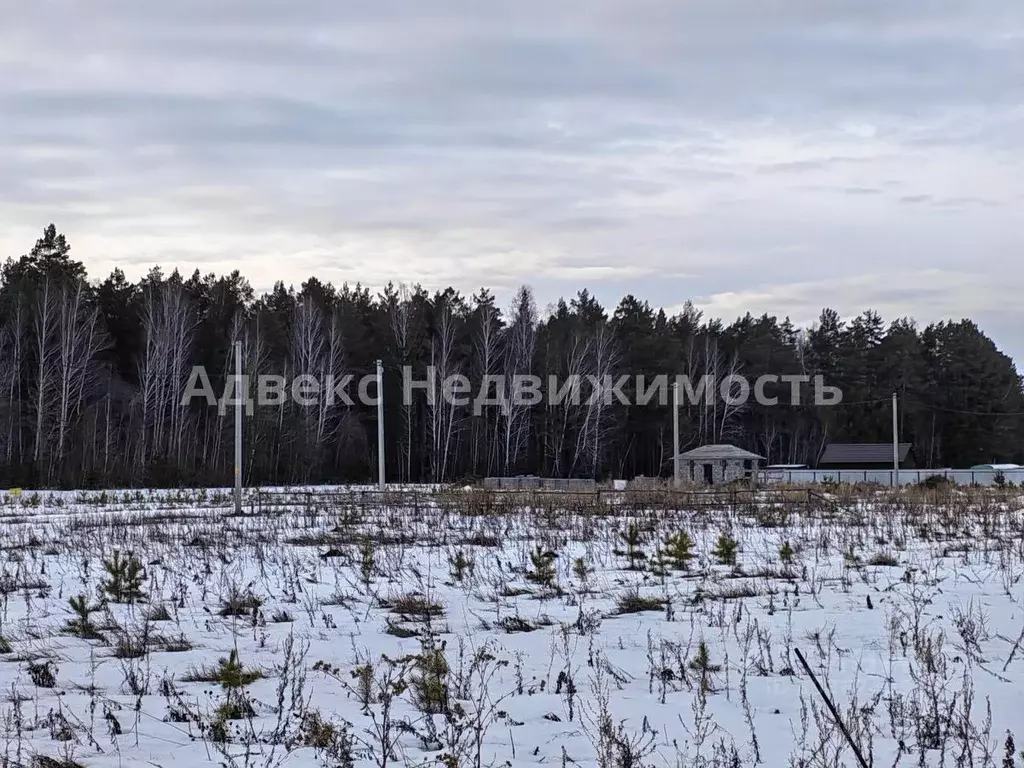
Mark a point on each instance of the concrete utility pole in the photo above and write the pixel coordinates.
(380, 424)
(675, 433)
(239, 404)
(895, 445)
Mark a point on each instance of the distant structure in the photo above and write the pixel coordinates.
(998, 467)
(866, 456)
(713, 464)
(534, 483)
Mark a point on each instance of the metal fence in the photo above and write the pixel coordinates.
(888, 476)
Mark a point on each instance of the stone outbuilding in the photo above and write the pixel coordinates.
(713, 464)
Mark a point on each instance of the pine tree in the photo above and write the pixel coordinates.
(91, 371)
(725, 549)
(81, 625)
(786, 554)
(125, 577)
(633, 538)
(679, 550)
(543, 562)
(701, 664)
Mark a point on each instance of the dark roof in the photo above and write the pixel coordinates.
(722, 451)
(862, 453)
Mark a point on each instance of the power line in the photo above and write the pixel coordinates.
(965, 413)
(842, 402)
(920, 404)
(864, 402)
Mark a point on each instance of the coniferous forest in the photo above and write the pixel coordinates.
(93, 372)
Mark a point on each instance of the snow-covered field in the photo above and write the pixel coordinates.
(470, 630)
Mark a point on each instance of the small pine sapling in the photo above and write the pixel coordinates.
(660, 563)
(81, 625)
(429, 679)
(701, 664)
(581, 571)
(363, 675)
(633, 538)
(232, 674)
(460, 566)
(786, 554)
(543, 572)
(367, 562)
(679, 550)
(233, 677)
(125, 577)
(725, 549)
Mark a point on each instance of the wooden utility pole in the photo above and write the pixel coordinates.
(239, 404)
(380, 425)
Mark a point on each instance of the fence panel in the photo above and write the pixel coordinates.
(886, 476)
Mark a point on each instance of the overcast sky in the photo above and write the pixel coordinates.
(758, 155)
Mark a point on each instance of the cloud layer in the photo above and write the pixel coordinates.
(756, 155)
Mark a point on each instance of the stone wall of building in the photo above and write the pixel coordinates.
(722, 470)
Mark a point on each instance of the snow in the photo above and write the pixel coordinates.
(908, 613)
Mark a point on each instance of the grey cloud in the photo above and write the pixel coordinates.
(665, 149)
(936, 294)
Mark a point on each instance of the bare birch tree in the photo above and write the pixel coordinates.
(79, 339)
(168, 328)
(399, 312)
(602, 360)
(487, 358)
(332, 368)
(520, 344)
(307, 354)
(45, 348)
(317, 356)
(441, 406)
(569, 409)
(12, 356)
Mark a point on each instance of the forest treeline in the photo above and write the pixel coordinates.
(93, 375)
